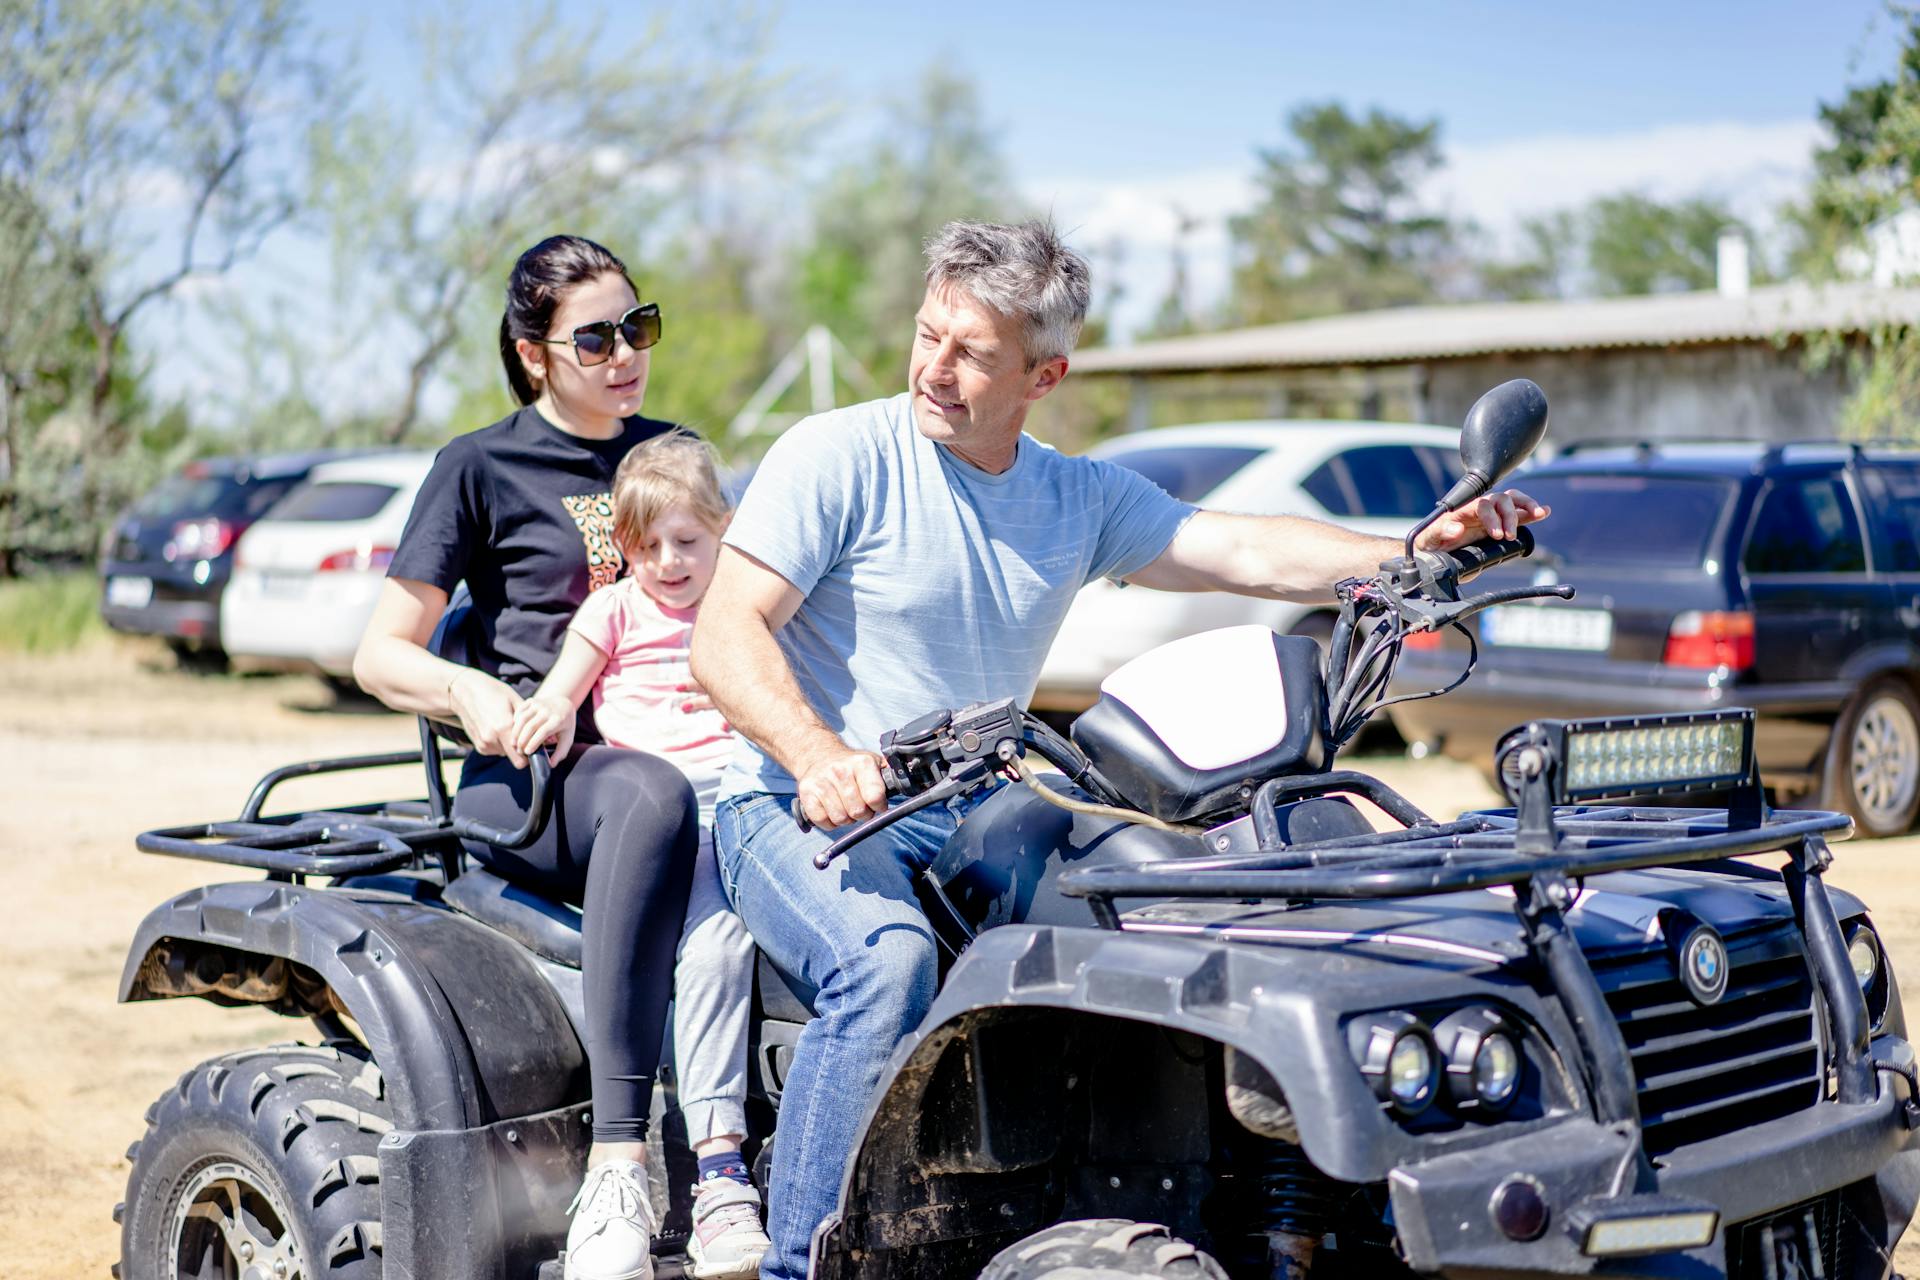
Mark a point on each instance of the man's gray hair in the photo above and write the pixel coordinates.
(1025, 271)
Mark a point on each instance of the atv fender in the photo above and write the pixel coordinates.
(483, 1068)
(463, 1025)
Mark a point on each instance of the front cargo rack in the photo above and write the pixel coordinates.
(1502, 847)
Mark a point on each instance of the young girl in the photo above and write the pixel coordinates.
(628, 644)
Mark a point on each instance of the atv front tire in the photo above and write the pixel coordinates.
(1099, 1248)
(262, 1162)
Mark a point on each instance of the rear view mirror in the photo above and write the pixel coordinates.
(1503, 427)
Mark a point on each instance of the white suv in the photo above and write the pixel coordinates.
(1373, 476)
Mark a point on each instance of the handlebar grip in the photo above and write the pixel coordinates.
(892, 781)
(1476, 557)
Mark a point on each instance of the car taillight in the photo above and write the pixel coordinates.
(1423, 640)
(361, 558)
(199, 539)
(1710, 638)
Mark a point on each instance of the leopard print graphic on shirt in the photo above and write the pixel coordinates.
(593, 515)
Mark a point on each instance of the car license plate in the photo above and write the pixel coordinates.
(1547, 627)
(129, 593)
(284, 585)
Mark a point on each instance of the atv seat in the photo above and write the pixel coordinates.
(547, 928)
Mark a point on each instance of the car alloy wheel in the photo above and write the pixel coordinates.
(1885, 760)
(1873, 762)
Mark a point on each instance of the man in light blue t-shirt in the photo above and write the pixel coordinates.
(913, 554)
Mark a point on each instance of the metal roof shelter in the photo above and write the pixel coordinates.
(1405, 334)
(1662, 364)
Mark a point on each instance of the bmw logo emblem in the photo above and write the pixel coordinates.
(1703, 965)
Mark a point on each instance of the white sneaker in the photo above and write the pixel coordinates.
(613, 1225)
(727, 1239)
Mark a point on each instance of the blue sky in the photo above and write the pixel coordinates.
(1121, 117)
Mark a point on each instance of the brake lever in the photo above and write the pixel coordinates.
(1467, 608)
(961, 779)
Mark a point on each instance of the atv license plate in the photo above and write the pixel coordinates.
(1528, 626)
(129, 593)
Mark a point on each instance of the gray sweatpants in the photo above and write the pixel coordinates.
(712, 1002)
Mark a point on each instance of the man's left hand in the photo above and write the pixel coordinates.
(1496, 515)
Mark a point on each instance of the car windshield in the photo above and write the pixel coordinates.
(1648, 520)
(335, 500)
(1189, 471)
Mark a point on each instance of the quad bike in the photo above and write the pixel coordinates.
(1198, 1017)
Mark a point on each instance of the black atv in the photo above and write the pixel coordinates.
(1198, 1017)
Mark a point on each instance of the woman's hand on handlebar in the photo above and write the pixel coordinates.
(840, 788)
(542, 719)
(486, 708)
(1495, 515)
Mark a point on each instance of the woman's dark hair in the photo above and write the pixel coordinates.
(540, 279)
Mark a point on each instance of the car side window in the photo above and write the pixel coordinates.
(1806, 525)
(1330, 486)
(1895, 494)
(1390, 481)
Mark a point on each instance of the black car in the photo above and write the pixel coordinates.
(169, 557)
(1783, 578)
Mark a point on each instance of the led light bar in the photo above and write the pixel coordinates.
(1653, 1233)
(1619, 756)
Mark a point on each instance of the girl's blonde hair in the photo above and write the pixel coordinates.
(655, 474)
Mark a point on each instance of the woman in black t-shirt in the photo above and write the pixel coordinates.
(520, 511)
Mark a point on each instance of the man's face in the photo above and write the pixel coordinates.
(969, 377)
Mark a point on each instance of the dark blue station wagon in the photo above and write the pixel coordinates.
(1785, 578)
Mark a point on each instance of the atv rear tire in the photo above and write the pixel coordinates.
(1097, 1248)
(262, 1159)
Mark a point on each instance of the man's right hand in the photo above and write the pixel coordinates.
(486, 708)
(840, 788)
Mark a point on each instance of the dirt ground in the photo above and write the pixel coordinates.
(97, 746)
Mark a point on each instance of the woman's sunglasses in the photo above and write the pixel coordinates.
(593, 343)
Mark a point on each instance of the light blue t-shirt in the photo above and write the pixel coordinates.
(929, 583)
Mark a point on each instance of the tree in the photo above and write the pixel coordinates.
(1870, 170)
(1552, 245)
(137, 152)
(560, 133)
(1636, 244)
(860, 274)
(1341, 225)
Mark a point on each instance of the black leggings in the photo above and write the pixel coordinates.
(620, 843)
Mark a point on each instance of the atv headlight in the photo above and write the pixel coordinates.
(1397, 1055)
(1864, 952)
(1484, 1062)
(1869, 962)
(1496, 1070)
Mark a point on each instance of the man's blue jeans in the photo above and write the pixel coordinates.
(856, 933)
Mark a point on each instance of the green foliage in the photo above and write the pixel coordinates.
(1341, 226)
(1552, 247)
(567, 132)
(861, 272)
(1869, 171)
(1636, 244)
(137, 151)
(49, 613)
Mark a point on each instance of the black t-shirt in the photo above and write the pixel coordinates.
(523, 512)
